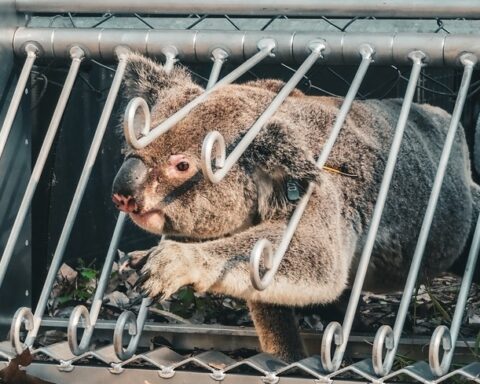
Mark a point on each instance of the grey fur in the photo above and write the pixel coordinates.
(221, 223)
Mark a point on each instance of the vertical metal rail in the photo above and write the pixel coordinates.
(335, 332)
(223, 163)
(265, 46)
(72, 213)
(273, 260)
(32, 52)
(386, 338)
(127, 318)
(77, 55)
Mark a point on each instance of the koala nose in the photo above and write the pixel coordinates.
(127, 183)
(124, 203)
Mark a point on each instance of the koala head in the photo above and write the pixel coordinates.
(162, 186)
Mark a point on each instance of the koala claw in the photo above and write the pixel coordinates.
(142, 278)
(167, 269)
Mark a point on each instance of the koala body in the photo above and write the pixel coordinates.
(210, 229)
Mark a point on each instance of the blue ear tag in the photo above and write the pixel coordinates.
(293, 194)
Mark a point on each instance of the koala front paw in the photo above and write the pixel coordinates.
(169, 267)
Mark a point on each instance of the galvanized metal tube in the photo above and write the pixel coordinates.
(81, 312)
(32, 52)
(266, 47)
(444, 338)
(330, 364)
(383, 368)
(77, 55)
(273, 260)
(219, 56)
(223, 163)
(291, 47)
(78, 195)
(330, 8)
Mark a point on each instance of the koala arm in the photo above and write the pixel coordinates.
(314, 270)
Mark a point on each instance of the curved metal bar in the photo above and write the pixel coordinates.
(23, 316)
(219, 57)
(383, 367)
(81, 312)
(447, 338)
(329, 363)
(77, 55)
(135, 327)
(272, 261)
(266, 47)
(213, 138)
(78, 195)
(32, 52)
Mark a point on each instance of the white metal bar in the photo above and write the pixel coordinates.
(32, 53)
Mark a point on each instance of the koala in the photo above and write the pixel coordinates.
(210, 229)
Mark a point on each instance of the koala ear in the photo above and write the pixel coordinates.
(280, 150)
(146, 78)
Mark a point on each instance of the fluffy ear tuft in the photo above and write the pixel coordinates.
(146, 78)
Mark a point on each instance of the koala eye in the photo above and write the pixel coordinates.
(183, 166)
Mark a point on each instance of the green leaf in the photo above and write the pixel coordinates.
(88, 273)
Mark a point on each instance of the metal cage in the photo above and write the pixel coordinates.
(323, 34)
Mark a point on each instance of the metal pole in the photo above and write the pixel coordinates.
(383, 366)
(77, 56)
(226, 163)
(32, 53)
(77, 197)
(265, 46)
(273, 260)
(329, 8)
(334, 331)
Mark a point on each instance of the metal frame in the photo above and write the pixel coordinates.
(290, 47)
(250, 48)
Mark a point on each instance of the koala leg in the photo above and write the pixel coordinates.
(277, 330)
(314, 270)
